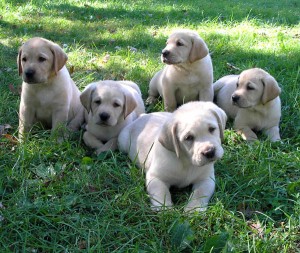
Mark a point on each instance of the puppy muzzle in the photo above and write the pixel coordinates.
(207, 155)
(29, 76)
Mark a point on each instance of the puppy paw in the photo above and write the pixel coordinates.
(161, 208)
(150, 100)
(192, 209)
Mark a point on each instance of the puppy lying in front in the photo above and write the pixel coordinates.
(177, 149)
(49, 95)
(110, 106)
(188, 75)
(252, 100)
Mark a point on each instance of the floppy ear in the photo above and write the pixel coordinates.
(168, 136)
(271, 89)
(60, 57)
(86, 97)
(221, 118)
(19, 61)
(130, 103)
(199, 49)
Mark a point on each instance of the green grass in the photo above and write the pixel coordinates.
(63, 198)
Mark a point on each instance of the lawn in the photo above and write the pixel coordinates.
(61, 197)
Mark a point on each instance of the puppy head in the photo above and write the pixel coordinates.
(194, 132)
(255, 86)
(40, 59)
(184, 46)
(108, 102)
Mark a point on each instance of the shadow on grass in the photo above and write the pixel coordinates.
(190, 11)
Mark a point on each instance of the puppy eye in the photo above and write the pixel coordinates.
(24, 59)
(211, 129)
(97, 102)
(189, 137)
(179, 44)
(116, 104)
(237, 84)
(42, 59)
(250, 87)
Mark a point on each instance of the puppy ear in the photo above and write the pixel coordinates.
(168, 137)
(271, 89)
(130, 103)
(199, 49)
(221, 118)
(60, 57)
(86, 97)
(19, 61)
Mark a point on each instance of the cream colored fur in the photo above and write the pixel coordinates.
(110, 106)
(188, 75)
(252, 100)
(177, 149)
(49, 95)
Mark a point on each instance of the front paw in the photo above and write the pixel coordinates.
(192, 209)
(101, 150)
(150, 100)
(248, 136)
(161, 208)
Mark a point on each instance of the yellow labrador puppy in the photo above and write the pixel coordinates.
(110, 106)
(49, 95)
(188, 75)
(252, 100)
(177, 149)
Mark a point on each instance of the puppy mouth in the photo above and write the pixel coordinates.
(30, 80)
(204, 161)
(33, 80)
(240, 105)
(103, 124)
(169, 61)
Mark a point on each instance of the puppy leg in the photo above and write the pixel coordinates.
(59, 121)
(273, 133)
(26, 120)
(170, 102)
(153, 91)
(207, 94)
(76, 123)
(247, 134)
(91, 141)
(112, 144)
(201, 195)
(159, 194)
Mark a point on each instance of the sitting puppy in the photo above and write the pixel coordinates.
(252, 100)
(49, 95)
(177, 149)
(188, 75)
(110, 106)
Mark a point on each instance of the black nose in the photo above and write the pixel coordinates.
(235, 98)
(210, 152)
(30, 73)
(165, 53)
(104, 116)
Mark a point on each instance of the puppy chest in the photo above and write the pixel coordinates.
(187, 92)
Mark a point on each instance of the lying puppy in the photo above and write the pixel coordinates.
(110, 106)
(49, 95)
(188, 75)
(177, 149)
(252, 100)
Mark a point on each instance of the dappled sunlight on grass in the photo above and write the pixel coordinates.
(63, 197)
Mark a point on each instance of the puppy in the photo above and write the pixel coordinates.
(177, 149)
(110, 106)
(49, 95)
(188, 75)
(252, 100)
